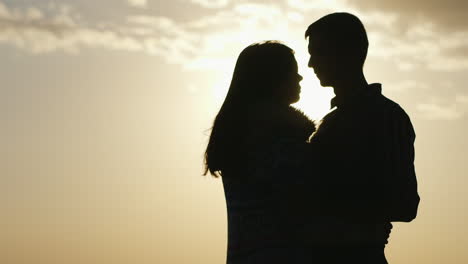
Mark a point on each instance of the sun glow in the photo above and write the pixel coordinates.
(315, 99)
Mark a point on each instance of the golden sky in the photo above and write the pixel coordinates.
(106, 107)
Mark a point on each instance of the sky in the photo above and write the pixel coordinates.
(106, 108)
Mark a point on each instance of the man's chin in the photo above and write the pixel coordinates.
(295, 99)
(324, 83)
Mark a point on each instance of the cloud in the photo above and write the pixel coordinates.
(163, 37)
(423, 46)
(207, 41)
(138, 3)
(204, 43)
(449, 15)
(211, 3)
(406, 85)
(304, 5)
(462, 99)
(32, 30)
(436, 110)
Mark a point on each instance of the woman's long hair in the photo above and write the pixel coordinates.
(259, 70)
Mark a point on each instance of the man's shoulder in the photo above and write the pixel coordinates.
(397, 116)
(332, 116)
(378, 105)
(389, 106)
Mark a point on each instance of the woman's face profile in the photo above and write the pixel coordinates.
(290, 88)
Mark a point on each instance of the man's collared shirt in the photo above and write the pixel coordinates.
(368, 157)
(372, 90)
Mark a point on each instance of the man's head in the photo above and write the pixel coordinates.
(337, 47)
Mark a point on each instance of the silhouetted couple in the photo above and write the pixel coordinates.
(296, 193)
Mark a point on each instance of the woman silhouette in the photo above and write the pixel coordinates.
(255, 113)
(258, 145)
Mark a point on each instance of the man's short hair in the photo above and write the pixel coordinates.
(343, 31)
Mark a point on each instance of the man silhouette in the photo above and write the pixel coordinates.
(366, 142)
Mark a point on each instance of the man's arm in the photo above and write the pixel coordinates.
(402, 197)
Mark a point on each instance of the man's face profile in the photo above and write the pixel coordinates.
(322, 61)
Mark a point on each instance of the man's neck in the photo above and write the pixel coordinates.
(350, 86)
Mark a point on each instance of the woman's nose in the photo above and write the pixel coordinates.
(300, 77)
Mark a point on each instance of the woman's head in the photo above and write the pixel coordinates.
(265, 73)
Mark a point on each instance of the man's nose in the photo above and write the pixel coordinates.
(310, 63)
